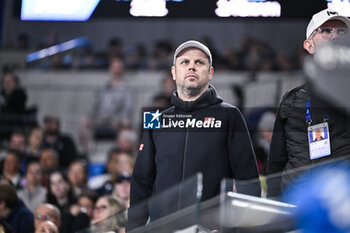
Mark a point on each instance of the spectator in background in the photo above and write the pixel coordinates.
(48, 163)
(46, 227)
(47, 212)
(121, 189)
(118, 162)
(60, 193)
(34, 145)
(33, 194)
(13, 96)
(62, 143)
(81, 214)
(127, 141)
(162, 99)
(263, 139)
(84, 59)
(13, 99)
(162, 55)
(12, 167)
(86, 203)
(112, 108)
(136, 57)
(77, 175)
(106, 207)
(18, 141)
(14, 212)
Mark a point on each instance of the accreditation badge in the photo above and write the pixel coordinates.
(319, 140)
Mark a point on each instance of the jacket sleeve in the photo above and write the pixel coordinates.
(26, 222)
(242, 157)
(277, 158)
(142, 183)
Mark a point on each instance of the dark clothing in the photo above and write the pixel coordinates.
(21, 219)
(65, 147)
(290, 147)
(15, 102)
(168, 156)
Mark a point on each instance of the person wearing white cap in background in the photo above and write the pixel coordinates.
(291, 148)
(199, 134)
(324, 26)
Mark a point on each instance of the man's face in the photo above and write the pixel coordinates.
(116, 68)
(33, 174)
(18, 142)
(192, 70)
(44, 213)
(47, 160)
(51, 127)
(319, 37)
(11, 164)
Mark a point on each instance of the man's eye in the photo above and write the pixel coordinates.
(199, 62)
(184, 62)
(326, 30)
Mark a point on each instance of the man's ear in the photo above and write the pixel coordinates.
(211, 72)
(173, 72)
(309, 46)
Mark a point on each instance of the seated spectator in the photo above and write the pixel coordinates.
(112, 108)
(162, 99)
(85, 203)
(34, 147)
(13, 99)
(127, 141)
(81, 213)
(59, 192)
(18, 141)
(33, 194)
(162, 55)
(14, 212)
(47, 212)
(48, 163)
(121, 189)
(46, 227)
(118, 163)
(12, 167)
(77, 176)
(103, 217)
(62, 143)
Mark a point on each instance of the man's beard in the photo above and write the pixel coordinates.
(193, 91)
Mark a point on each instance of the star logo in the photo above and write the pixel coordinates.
(156, 115)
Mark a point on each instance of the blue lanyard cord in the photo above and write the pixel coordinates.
(308, 113)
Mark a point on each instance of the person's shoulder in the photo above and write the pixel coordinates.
(168, 110)
(295, 92)
(228, 107)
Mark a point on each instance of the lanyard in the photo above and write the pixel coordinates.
(308, 113)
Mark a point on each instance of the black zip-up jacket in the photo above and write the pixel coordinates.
(167, 156)
(289, 150)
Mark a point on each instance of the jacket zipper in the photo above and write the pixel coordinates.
(183, 169)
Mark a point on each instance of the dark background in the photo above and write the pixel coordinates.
(195, 8)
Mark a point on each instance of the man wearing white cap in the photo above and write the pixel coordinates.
(199, 134)
(300, 114)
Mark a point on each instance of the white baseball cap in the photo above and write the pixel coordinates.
(323, 16)
(193, 44)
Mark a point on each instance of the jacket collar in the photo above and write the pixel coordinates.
(209, 97)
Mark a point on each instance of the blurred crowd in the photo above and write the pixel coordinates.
(249, 54)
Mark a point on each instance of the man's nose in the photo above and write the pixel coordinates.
(191, 65)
